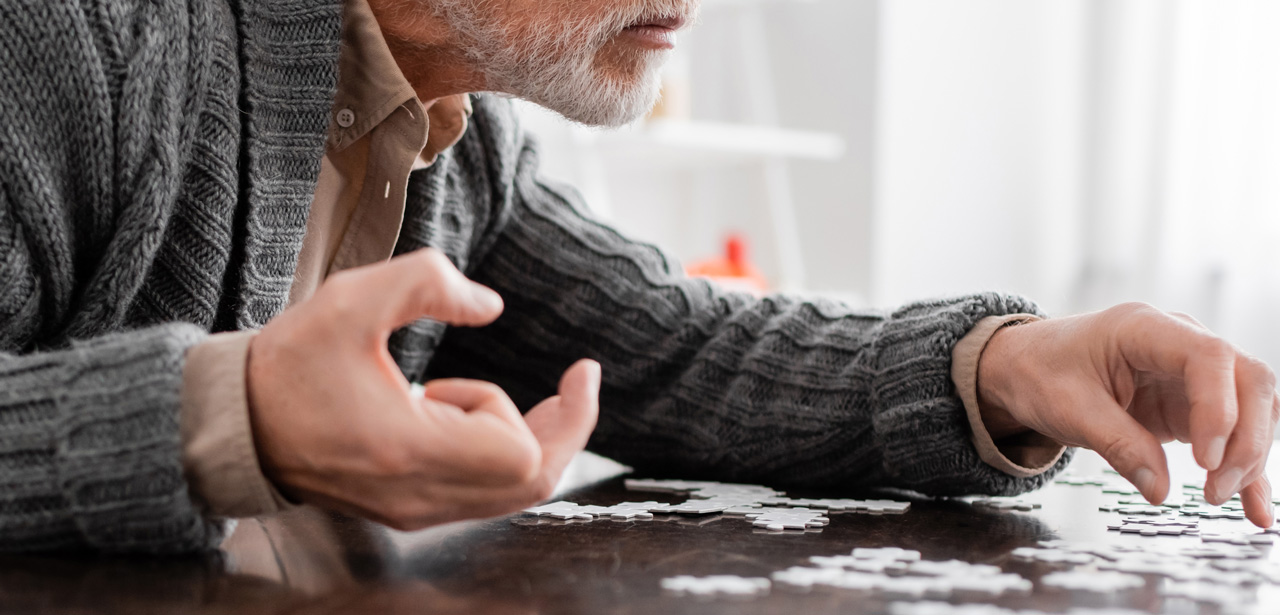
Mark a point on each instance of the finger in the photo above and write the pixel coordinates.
(1250, 443)
(478, 447)
(1132, 450)
(564, 423)
(1159, 343)
(421, 284)
(475, 396)
(1189, 319)
(1258, 507)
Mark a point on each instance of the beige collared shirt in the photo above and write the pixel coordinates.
(379, 133)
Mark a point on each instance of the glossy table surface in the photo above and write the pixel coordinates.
(307, 561)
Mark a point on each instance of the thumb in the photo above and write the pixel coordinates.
(1133, 451)
(562, 424)
(421, 284)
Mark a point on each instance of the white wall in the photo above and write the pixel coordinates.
(977, 170)
(822, 55)
(1080, 152)
(951, 111)
(826, 62)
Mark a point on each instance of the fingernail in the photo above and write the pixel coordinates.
(594, 371)
(486, 298)
(1227, 484)
(1267, 496)
(1214, 452)
(1145, 481)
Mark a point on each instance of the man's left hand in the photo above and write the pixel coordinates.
(1124, 380)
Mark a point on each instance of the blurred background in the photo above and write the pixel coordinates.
(1080, 152)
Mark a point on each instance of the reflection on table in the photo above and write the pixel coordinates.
(309, 561)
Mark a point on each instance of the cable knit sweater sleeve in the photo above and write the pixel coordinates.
(89, 437)
(701, 382)
(90, 447)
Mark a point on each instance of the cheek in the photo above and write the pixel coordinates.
(575, 21)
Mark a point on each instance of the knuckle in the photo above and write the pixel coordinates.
(1216, 349)
(1254, 474)
(492, 393)
(1187, 319)
(1117, 450)
(1136, 309)
(522, 470)
(1256, 445)
(434, 259)
(529, 464)
(501, 398)
(1260, 372)
(522, 466)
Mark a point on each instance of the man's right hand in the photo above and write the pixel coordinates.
(335, 423)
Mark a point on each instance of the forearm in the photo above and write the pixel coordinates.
(92, 444)
(703, 382)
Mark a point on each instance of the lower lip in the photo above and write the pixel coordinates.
(652, 37)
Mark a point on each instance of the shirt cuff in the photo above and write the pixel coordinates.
(218, 454)
(1024, 455)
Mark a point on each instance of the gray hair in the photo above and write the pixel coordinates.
(552, 62)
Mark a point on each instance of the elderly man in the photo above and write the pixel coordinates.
(234, 232)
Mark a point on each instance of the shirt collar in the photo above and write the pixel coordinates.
(371, 87)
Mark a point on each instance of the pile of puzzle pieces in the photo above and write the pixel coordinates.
(894, 573)
(716, 586)
(1195, 564)
(1214, 574)
(1189, 503)
(891, 573)
(763, 507)
(1179, 515)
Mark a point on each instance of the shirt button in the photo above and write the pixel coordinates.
(346, 118)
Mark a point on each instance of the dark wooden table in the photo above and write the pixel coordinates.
(308, 561)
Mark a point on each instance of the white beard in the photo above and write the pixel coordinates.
(555, 66)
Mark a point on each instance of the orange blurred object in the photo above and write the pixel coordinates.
(734, 270)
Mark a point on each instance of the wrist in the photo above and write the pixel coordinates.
(995, 376)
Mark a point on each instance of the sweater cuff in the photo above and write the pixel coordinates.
(118, 443)
(1023, 455)
(218, 454)
(920, 421)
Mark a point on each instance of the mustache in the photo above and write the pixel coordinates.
(685, 12)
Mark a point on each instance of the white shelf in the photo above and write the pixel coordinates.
(670, 143)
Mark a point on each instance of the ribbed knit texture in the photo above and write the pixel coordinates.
(139, 209)
(698, 382)
(157, 163)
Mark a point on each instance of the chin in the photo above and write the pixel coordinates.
(605, 89)
(610, 103)
(621, 113)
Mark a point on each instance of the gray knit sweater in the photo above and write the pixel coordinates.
(156, 168)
